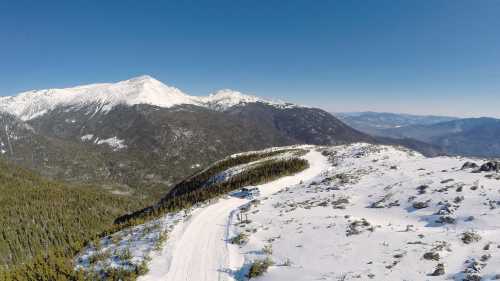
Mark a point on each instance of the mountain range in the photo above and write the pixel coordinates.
(143, 133)
(457, 136)
(375, 123)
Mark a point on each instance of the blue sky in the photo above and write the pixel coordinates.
(439, 57)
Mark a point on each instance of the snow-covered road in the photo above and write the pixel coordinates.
(197, 250)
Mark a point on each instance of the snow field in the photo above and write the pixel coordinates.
(332, 230)
(359, 212)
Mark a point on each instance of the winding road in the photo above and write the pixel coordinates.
(197, 249)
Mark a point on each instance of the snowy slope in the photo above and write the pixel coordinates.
(144, 242)
(359, 212)
(226, 98)
(380, 213)
(210, 257)
(140, 90)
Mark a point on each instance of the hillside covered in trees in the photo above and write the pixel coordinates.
(43, 223)
(264, 166)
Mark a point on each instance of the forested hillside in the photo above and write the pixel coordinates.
(201, 186)
(43, 223)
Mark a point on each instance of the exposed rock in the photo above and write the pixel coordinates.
(431, 256)
(422, 189)
(446, 220)
(420, 205)
(492, 166)
(469, 165)
(473, 277)
(439, 270)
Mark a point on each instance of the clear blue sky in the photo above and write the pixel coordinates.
(440, 57)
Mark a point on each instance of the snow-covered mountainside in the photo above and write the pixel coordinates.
(103, 97)
(359, 212)
(140, 132)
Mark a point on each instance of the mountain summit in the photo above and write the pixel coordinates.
(104, 96)
(142, 132)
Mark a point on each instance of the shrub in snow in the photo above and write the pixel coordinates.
(431, 256)
(469, 237)
(473, 277)
(99, 257)
(239, 239)
(162, 237)
(125, 255)
(142, 268)
(446, 220)
(358, 226)
(422, 189)
(268, 250)
(259, 267)
(340, 203)
(439, 270)
(485, 257)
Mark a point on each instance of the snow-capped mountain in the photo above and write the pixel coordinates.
(141, 132)
(104, 96)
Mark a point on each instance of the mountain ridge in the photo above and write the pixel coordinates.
(138, 90)
(373, 122)
(457, 136)
(468, 136)
(142, 134)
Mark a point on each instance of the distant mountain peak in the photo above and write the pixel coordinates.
(230, 94)
(142, 89)
(142, 78)
(139, 90)
(226, 98)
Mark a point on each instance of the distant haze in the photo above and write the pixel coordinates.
(463, 107)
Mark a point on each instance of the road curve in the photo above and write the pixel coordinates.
(197, 250)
